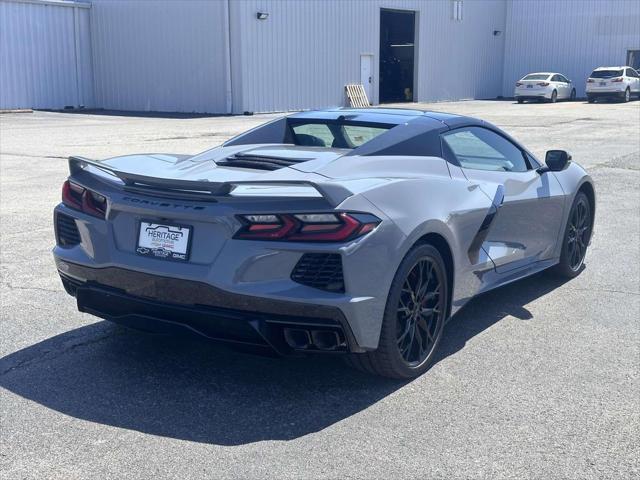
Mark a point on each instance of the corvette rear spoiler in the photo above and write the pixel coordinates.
(333, 193)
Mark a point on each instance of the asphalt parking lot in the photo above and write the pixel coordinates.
(539, 379)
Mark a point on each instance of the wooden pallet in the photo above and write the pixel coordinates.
(357, 96)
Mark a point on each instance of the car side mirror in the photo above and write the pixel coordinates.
(556, 160)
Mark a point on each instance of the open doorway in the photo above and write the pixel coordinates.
(397, 55)
(633, 59)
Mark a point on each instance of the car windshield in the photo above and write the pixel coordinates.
(606, 73)
(334, 134)
(536, 76)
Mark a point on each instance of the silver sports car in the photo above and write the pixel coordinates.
(349, 231)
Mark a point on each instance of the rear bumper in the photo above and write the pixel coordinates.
(532, 94)
(532, 97)
(253, 270)
(606, 94)
(170, 305)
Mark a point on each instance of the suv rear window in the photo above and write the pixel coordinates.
(606, 73)
(335, 134)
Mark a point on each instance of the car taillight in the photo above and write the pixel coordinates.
(590, 80)
(543, 84)
(306, 227)
(518, 84)
(80, 198)
(72, 195)
(617, 80)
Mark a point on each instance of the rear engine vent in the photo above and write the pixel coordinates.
(67, 233)
(259, 162)
(320, 270)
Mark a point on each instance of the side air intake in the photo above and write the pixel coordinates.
(320, 270)
(67, 234)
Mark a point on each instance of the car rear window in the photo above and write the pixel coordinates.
(334, 134)
(606, 73)
(536, 76)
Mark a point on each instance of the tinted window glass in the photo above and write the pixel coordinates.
(356, 135)
(333, 134)
(481, 149)
(631, 73)
(606, 73)
(536, 76)
(313, 135)
(556, 78)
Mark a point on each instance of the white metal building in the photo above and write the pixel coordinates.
(571, 37)
(223, 56)
(45, 55)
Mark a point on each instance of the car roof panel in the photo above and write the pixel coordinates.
(393, 116)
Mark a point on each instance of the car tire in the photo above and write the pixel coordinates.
(519, 100)
(577, 234)
(627, 95)
(590, 99)
(572, 97)
(394, 357)
(554, 97)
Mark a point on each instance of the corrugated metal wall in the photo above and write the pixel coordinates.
(304, 53)
(170, 55)
(159, 56)
(571, 37)
(45, 55)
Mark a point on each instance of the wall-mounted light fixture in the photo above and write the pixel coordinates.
(497, 33)
(262, 15)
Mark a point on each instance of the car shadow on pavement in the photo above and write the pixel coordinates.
(192, 390)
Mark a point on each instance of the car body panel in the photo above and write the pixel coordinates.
(498, 226)
(514, 240)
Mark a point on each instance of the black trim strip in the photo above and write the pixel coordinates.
(485, 226)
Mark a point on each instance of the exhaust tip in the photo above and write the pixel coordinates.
(297, 338)
(325, 339)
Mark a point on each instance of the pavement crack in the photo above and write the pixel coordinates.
(12, 154)
(190, 137)
(38, 289)
(552, 124)
(52, 354)
(606, 290)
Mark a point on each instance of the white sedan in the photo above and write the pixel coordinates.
(613, 82)
(544, 86)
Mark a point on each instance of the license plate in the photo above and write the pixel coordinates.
(159, 240)
(529, 86)
(603, 84)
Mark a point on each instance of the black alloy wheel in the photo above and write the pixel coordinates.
(414, 317)
(576, 238)
(579, 232)
(420, 312)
